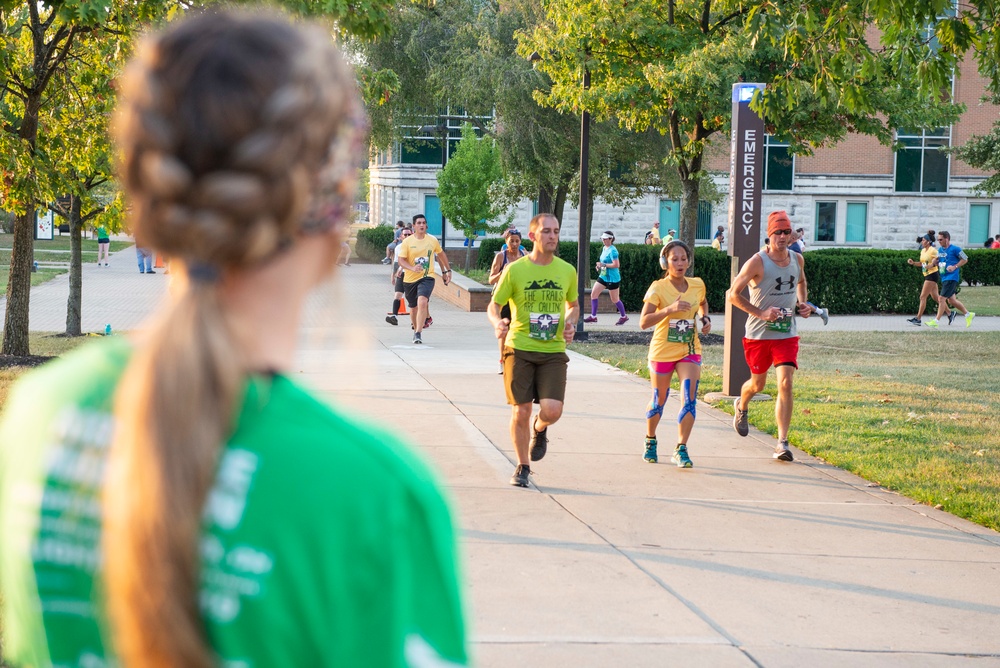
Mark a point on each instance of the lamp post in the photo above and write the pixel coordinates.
(583, 240)
(439, 129)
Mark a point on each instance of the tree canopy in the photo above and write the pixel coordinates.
(669, 66)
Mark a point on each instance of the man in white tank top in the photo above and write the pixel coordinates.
(777, 282)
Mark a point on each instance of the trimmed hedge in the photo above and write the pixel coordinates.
(844, 280)
(372, 242)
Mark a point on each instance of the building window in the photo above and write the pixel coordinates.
(826, 222)
(857, 223)
(979, 224)
(704, 229)
(921, 165)
(779, 165)
(842, 221)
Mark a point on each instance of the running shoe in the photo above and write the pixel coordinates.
(782, 453)
(539, 443)
(914, 321)
(391, 319)
(650, 454)
(416, 337)
(968, 318)
(428, 322)
(386, 260)
(932, 323)
(622, 320)
(680, 457)
(741, 419)
(500, 369)
(520, 477)
(824, 313)
(951, 316)
(590, 318)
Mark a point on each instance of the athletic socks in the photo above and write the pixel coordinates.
(395, 307)
(621, 307)
(593, 308)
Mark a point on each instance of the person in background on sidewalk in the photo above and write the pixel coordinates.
(798, 242)
(996, 242)
(928, 264)
(671, 305)
(654, 234)
(391, 246)
(396, 279)
(670, 236)
(609, 276)
(951, 259)
(542, 291)
(103, 245)
(416, 257)
(511, 252)
(144, 256)
(507, 233)
(165, 498)
(719, 238)
(777, 282)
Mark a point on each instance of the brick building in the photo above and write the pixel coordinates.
(857, 193)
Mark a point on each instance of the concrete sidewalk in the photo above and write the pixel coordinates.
(609, 561)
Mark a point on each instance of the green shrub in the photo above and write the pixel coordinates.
(983, 267)
(372, 242)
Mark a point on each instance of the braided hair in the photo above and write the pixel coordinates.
(239, 132)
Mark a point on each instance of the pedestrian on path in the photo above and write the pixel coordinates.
(670, 305)
(103, 245)
(144, 256)
(951, 259)
(416, 257)
(777, 282)
(511, 252)
(609, 277)
(396, 278)
(928, 264)
(545, 306)
(166, 500)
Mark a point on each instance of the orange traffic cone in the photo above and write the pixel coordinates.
(402, 308)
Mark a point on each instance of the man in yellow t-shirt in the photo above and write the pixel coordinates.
(544, 300)
(416, 261)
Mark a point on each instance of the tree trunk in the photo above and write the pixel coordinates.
(74, 309)
(560, 203)
(15, 328)
(16, 323)
(468, 255)
(690, 194)
(545, 200)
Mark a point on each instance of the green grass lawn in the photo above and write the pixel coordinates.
(44, 344)
(56, 250)
(916, 413)
(982, 299)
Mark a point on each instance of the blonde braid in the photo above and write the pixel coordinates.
(239, 132)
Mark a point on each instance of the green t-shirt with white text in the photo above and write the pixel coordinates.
(326, 542)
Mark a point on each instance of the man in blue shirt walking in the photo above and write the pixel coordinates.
(951, 258)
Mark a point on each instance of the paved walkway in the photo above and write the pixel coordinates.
(610, 561)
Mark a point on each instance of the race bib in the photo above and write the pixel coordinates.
(680, 331)
(782, 324)
(543, 326)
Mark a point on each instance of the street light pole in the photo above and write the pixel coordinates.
(583, 245)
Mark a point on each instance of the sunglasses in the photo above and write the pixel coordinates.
(780, 232)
